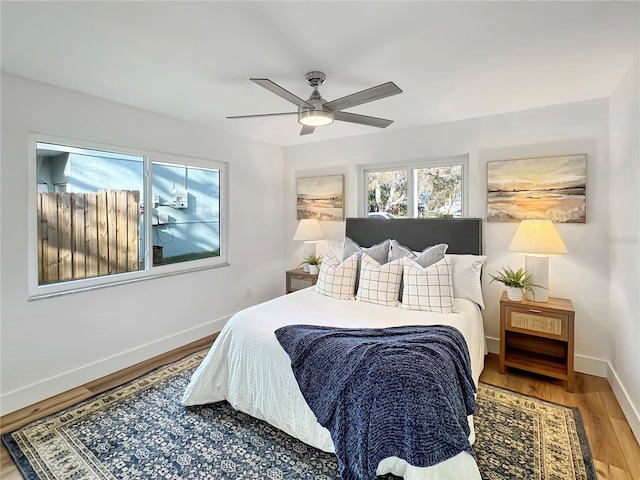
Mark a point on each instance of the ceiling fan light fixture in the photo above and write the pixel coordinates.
(315, 118)
(316, 111)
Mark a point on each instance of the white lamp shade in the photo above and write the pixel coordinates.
(308, 229)
(537, 237)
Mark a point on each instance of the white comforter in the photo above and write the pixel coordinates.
(248, 367)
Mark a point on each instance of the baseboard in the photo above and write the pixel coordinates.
(624, 399)
(493, 345)
(591, 366)
(34, 393)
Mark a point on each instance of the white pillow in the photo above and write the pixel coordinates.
(335, 279)
(378, 283)
(429, 288)
(466, 276)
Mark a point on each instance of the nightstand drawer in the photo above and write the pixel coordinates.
(298, 279)
(298, 283)
(533, 321)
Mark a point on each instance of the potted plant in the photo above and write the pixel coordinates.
(516, 282)
(314, 262)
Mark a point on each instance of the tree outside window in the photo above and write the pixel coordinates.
(434, 190)
(388, 192)
(439, 191)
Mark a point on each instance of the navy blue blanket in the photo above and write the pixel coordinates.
(399, 391)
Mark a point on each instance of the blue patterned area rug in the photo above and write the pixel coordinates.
(141, 431)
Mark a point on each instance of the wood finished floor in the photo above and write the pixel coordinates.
(615, 451)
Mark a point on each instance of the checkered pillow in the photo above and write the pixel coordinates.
(379, 283)
(429, 288)
(335, 279)
(428, 256)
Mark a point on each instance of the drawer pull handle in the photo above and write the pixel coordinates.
(535, 311)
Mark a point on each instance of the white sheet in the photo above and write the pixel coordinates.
(247, 367)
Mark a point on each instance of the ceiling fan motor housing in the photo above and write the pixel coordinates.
(315, 78)
(319, 115)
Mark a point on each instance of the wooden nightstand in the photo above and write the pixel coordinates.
(297, 279)
(538, 337)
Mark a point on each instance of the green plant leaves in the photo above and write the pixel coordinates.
(518, 279)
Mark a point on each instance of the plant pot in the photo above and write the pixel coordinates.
(313, 269)
(514, 294)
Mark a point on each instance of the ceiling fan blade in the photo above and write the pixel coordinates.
(369, 95)
(263, 115)
(278, 90)
(307, 129)
(362, 119)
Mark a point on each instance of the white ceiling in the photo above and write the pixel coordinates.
(193, 60)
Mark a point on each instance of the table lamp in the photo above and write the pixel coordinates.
(537, 239)
(308, 231)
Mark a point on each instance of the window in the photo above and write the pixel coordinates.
(103, 215)
(186, 213)
(429, 189)
(388, 192)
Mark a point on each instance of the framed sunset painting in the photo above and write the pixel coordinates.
(548, 188)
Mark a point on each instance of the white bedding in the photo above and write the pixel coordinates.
(247, 367)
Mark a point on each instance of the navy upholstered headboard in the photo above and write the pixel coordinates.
(463, 235)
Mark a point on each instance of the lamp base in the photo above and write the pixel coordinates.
(308, 249)
(538, 266)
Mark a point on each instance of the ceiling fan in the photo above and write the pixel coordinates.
(316, 111)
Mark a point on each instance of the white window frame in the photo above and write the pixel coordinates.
(408, 167)
(36, 291)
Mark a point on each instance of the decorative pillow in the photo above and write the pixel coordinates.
(379, 283)
(335, 279)
(466, 276)
(428, 256)
(337, 249)
(429, 288)
(396, 251)
(379, 252)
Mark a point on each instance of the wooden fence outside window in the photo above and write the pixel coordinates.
(83, 235)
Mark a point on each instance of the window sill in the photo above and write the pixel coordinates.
(122, 281)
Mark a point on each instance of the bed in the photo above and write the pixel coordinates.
(247, 366)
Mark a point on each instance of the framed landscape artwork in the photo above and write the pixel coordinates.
(549, 188)
(321, 197)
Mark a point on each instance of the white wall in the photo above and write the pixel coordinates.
(624, 244)
(581, 275)
(51, 345)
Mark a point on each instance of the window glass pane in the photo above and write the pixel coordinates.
(88, 213)
(387, 193)
(186, 213)
(439, 191)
